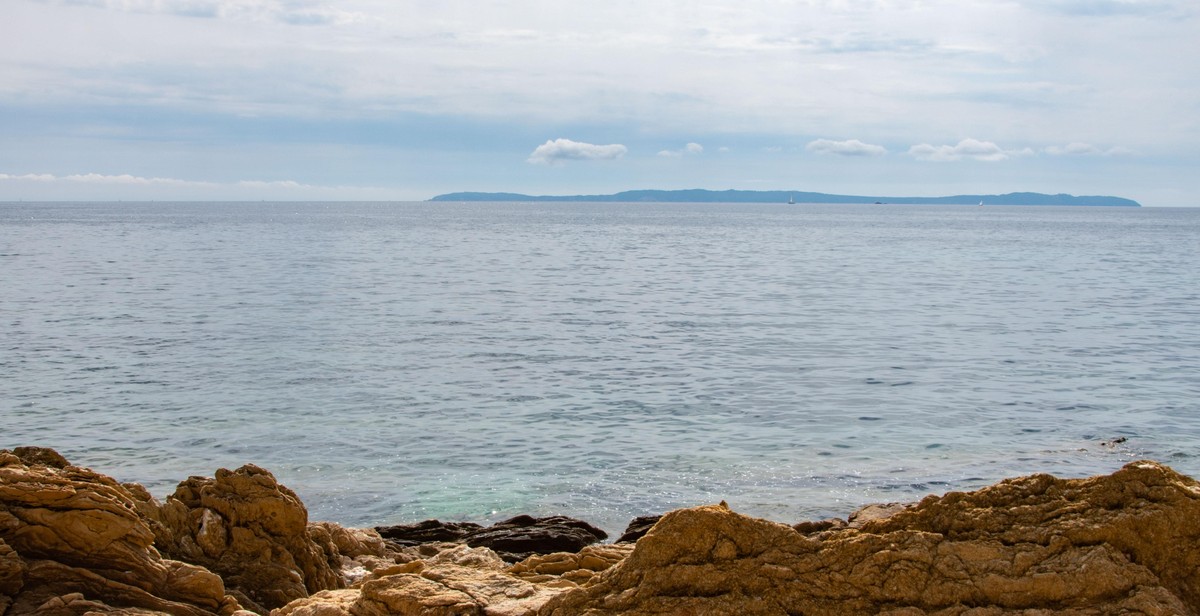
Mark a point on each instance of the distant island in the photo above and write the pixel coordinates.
(792, 196)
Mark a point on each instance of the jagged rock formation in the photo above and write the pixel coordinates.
(1119, 544)
(75, 542)
(72, 541)
(253, 532)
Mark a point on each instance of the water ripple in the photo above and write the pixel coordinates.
(392, 362)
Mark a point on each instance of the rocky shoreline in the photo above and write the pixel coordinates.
(74, 541)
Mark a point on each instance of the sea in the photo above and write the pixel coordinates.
(393, 362)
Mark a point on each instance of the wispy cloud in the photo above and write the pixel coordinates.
(972, 149)
(126, 179)
(850, 147)
(295, 12)
(557, 151)
(1086, 149)
(98, 178)
(690, 148)
(1106, 8)
(125, 186)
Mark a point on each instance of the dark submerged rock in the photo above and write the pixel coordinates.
(523, 536)
(513, 539)
(429, 531)
(638, 527)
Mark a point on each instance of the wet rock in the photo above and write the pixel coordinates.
(73, 540)
(252, 531)
(428, 531)
(523, 536)
(638, 527)
(513, 539)
(1117, 544)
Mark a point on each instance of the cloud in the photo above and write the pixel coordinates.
(98, 178)
(294, 12)
(690, 148)
(29, 177)
(850, 147)
(1086, 149)
(967, 148)
(273, 184)
(126, 179)
(1106, 8)
(557, 151)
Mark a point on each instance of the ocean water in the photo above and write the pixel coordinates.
(392, 362)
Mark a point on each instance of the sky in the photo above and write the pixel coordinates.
(408, 99)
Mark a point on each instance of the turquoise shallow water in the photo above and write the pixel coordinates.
(393, 362)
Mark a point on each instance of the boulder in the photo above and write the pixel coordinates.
(251, 530)
(1117, 544)
(523, 536)
(513, 539)
(73, 540)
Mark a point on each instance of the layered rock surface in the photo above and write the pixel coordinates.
(1126, 543)
(73, 541)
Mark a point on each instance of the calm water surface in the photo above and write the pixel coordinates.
(394, 362)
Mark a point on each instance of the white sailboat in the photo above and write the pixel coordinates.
(791, 200)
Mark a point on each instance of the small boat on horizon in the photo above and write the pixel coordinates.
(791, 200)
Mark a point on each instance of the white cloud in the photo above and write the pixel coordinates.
(273, 184)
(97, 178)
(850, 147)
(690, 148)
(557, 151)
(967, 148)
(29, 177)
(1086, 149)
